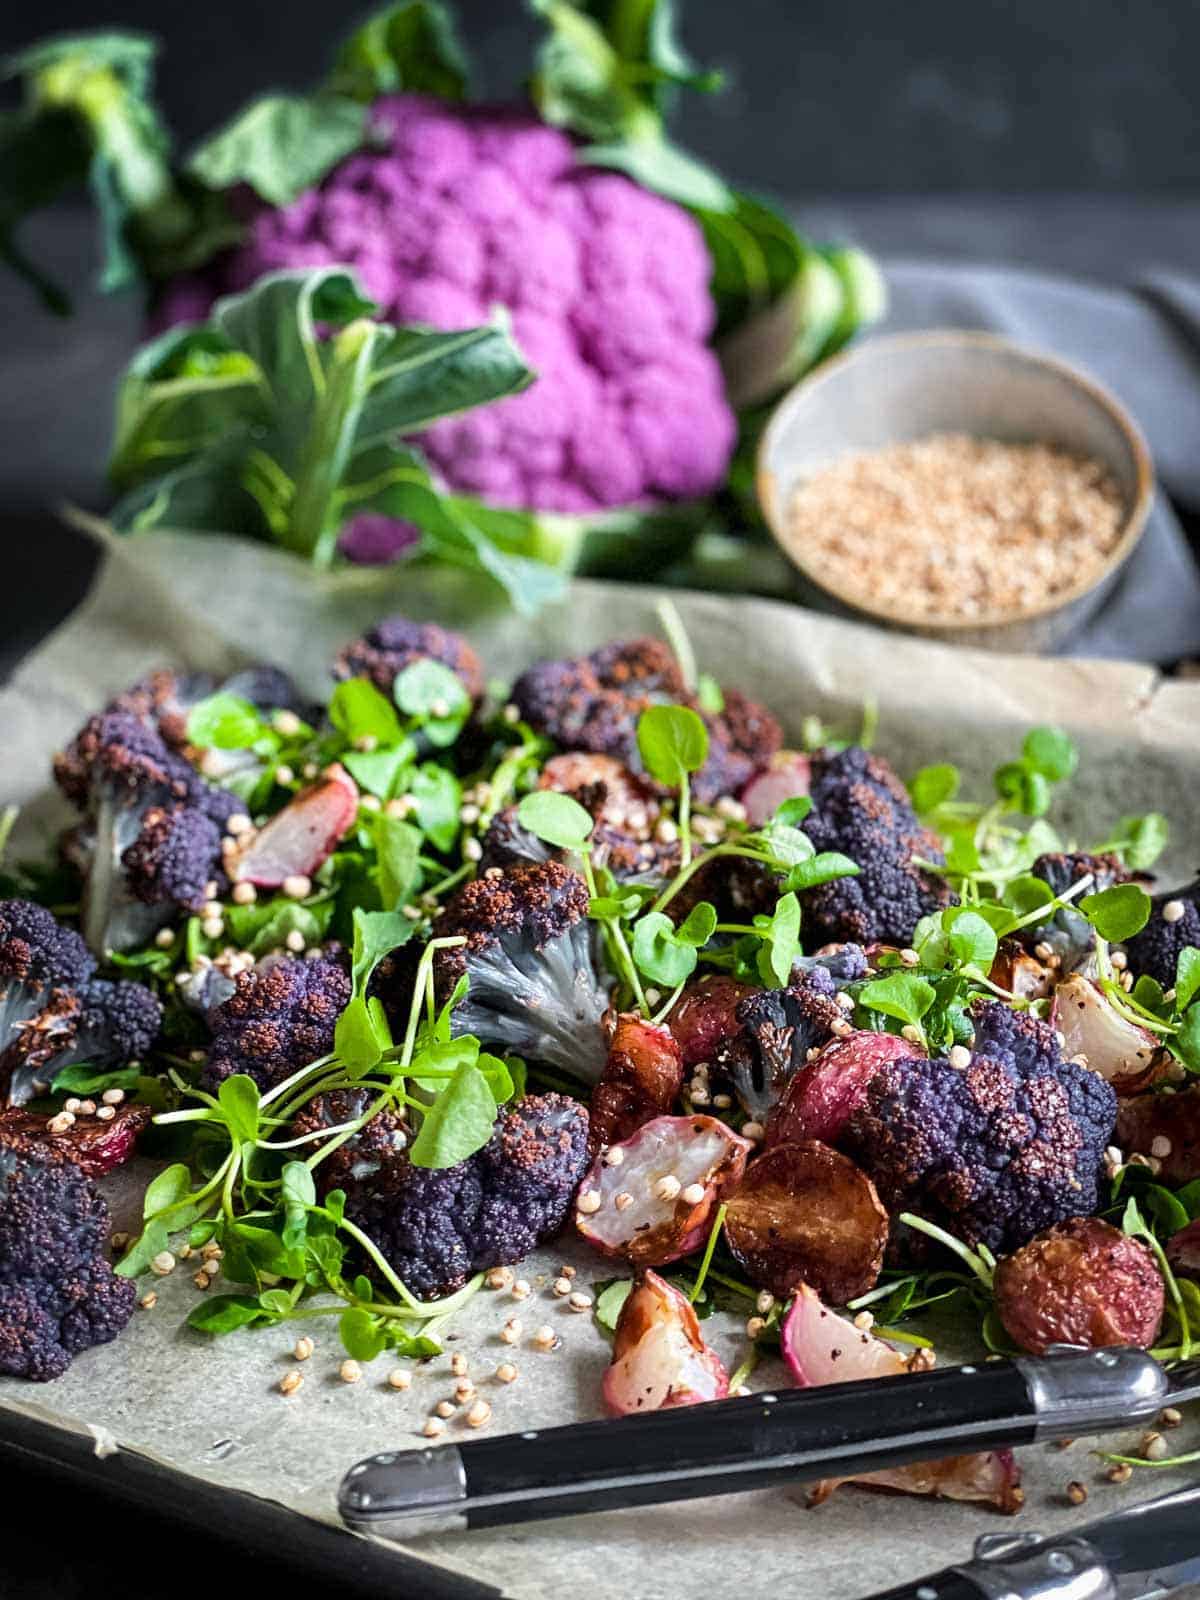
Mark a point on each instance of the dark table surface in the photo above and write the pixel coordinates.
(55, 410)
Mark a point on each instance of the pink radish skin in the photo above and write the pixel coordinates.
(302, 836)
(788, 775)
(820, 1347)
(824, 1094)
(1118, 1050)
(660, 1359)
(700, 1153)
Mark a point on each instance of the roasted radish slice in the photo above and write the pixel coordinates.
(820, 1099)
(302, 836)
(1114, 1047)
(651, 1198)
(990, 1477)
(820, 1347)
(95, 1146)
(1020, 973)
(1166, 1127)
(659, 1358)
(706, 1014)
(806, 1214)
(641, 1080)
(788, 776)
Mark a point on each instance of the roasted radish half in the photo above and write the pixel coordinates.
(820, 1347)
(302, 836)
(659, 1358)
(651, 1198)
(1092, 1027)
(820, 1099)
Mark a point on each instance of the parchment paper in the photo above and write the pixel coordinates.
(212, 1408)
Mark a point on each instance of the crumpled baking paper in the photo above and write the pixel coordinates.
(213, 1409)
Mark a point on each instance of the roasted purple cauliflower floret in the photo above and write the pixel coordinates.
(777, 1029)
(150, 841)
(58, 1292)
(860, 808)
(1067, 935)
(534, 989)
(592, 703)
(165, 699)
(396, 642)
(281, 1016)
(437, 1226)
(53, 1011)
(993, 1152)
(452, 210)
(1174, 925)
(362, 1155)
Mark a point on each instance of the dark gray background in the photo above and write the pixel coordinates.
(824, 96)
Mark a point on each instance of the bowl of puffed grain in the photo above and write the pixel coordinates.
(956, 485)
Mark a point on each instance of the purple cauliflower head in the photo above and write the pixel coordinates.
(455, 210)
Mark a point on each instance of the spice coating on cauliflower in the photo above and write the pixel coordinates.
(993, 1152)
(396, 642)
(861, 809)
(533, 986)
(436, 1226)
(593, 703)
(281, 1016)
(58, 1293)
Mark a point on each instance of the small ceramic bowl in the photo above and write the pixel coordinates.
(902, 387)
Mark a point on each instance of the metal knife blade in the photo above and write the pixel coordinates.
(1144, 1553)
(1151, 1548)
(1184, 1382)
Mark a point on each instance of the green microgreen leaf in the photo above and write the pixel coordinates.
(83, 1079)
(780, 935)
(673, 742)
(397, 860)
(431, 692)
(224, 722)
(437, 796)
(904, 995)
(238, 1098)
(971, 938)
(361, 1035)
(379, 772)
(360, 712)
(165, 1190)
(791, 813)
(459, 1121)
(1051, 752)
(934, 786)
(376, 934)
(1118, 912)
(610, 1301)
(558, 819)
(823, 867)
(1187, 977)
(666, 954)
(225, 1313)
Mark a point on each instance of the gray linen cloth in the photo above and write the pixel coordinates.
(1143, 344)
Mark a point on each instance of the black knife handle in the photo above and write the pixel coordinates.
(793, 1436)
